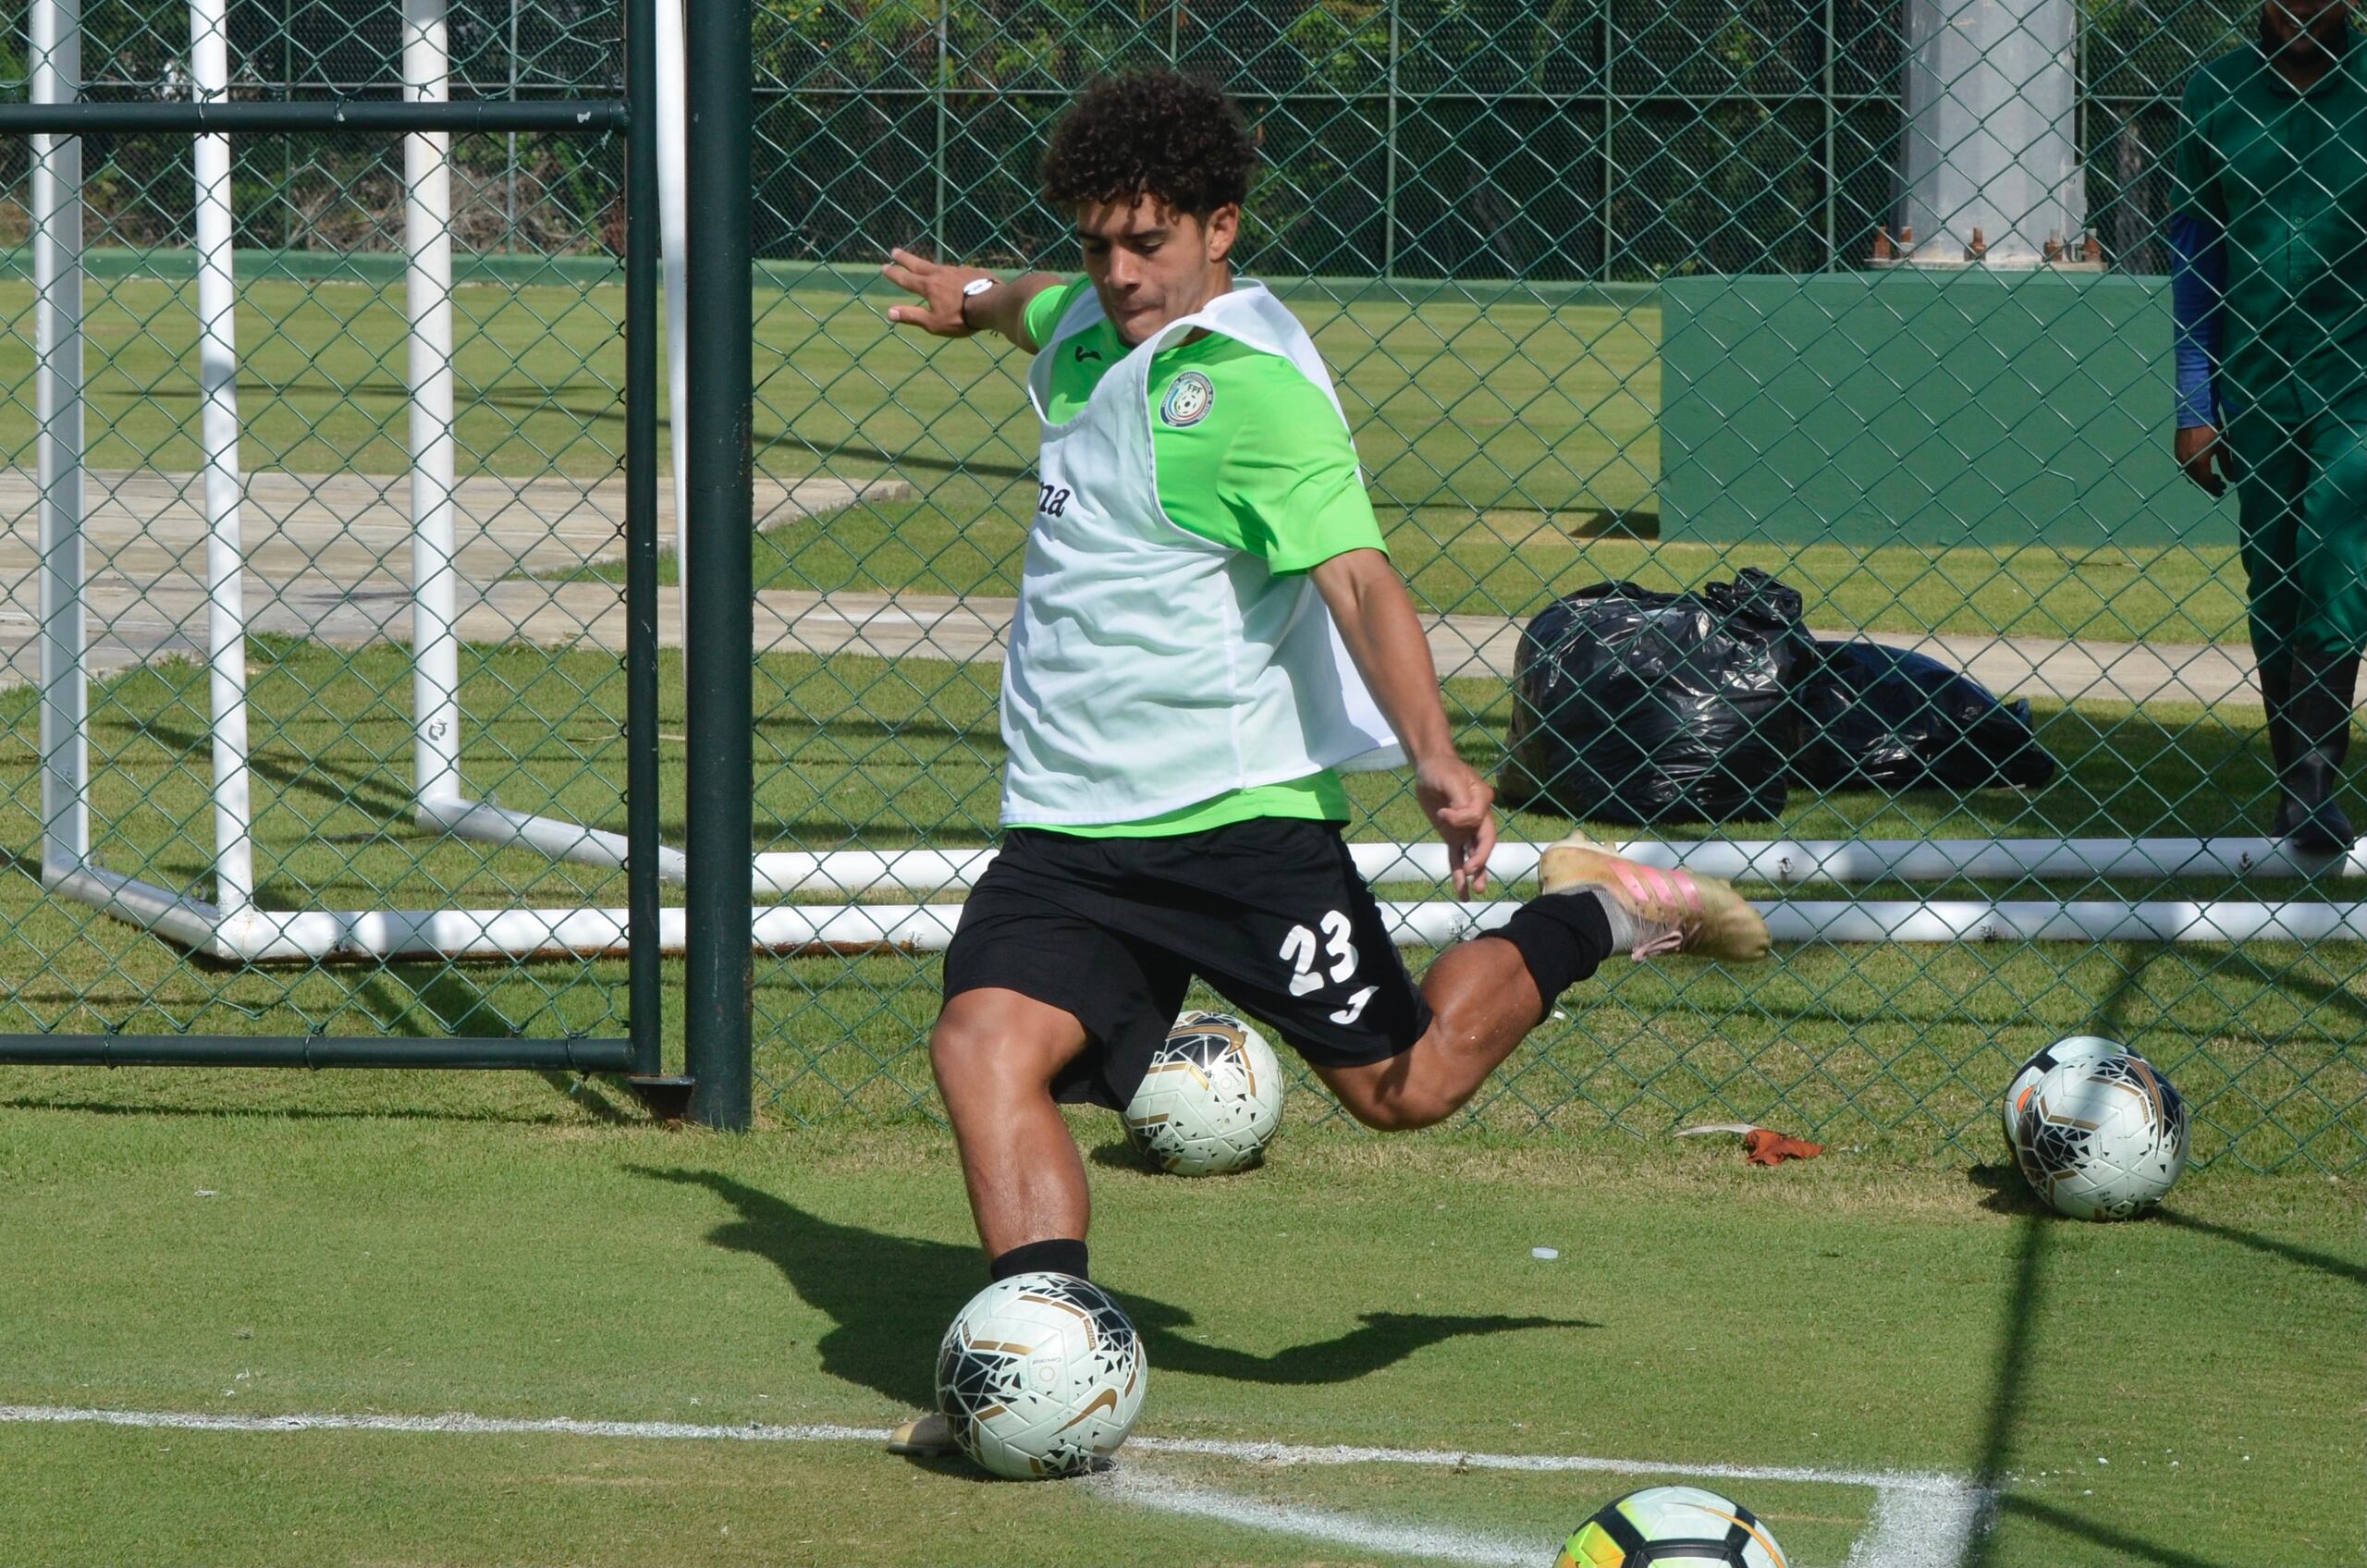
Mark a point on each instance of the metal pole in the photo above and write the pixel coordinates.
(1832, 146)
(944, 243)
(57, 285)
(427, 300)
(673, 198)
(1610, 130)
(718, 970)
(218, 357)
(359, 117)
(284, 227)
(509, 143)
(644, 979)
(1389, 153)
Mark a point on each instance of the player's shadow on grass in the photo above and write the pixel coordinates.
(891, 1297)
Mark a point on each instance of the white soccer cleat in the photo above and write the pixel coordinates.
(1674, 912)
(924, 1436)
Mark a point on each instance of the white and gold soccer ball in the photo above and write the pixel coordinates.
(1674, 1526)
(1040, 1374)
(2073, 1050)
(2100, 1137)
(1211, 1100)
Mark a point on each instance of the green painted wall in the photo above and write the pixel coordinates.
(1923, 407)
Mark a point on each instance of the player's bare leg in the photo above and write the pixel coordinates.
(996, 1053)
(1484, 995)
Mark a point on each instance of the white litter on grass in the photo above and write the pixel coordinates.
(1544, 1254)
(1919, 1519)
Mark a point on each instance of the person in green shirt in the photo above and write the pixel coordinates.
(2268, 238)
(1209, 630)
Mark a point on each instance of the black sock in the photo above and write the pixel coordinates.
(1058, 1255)
(1562, 937)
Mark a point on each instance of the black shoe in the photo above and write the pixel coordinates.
(2320, 705)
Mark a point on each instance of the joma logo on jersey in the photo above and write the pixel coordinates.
(1052, 500)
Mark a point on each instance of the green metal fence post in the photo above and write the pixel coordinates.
(645, 976)
(719, 661)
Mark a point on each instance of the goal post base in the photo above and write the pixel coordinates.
(665, 1099)
(587, 1055)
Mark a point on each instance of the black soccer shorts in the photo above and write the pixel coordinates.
(1271, 912)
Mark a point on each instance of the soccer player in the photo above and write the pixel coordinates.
(2269, 290)
(1208, 631)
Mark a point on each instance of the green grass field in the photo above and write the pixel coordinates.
(1511, 448)
(2177, 1392)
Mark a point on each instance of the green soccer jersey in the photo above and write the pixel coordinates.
(2283, 176)
(1265, 467)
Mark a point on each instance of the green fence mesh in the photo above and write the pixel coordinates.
(1600, 290)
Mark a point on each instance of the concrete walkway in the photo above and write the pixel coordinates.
(329, 558)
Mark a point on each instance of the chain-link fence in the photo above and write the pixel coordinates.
(1611, 294)
(1596, 284)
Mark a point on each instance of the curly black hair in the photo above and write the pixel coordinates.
(1156, 133)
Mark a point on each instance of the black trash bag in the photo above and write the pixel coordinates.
(1641, 707)
(1887, 718)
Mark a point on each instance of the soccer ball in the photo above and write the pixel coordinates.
(1210, 1102)
(1676, 1526)
(1040, 1374)
(2079, 1049)
(2101, 1138)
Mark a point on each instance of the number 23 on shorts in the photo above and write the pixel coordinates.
(1301, 949)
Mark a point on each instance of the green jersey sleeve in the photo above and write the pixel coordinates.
(2194, 182)
(1044, 311)
(1269, 470)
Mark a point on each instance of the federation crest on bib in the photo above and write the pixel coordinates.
(1188, 400)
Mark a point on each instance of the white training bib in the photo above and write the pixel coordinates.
(1150, 669)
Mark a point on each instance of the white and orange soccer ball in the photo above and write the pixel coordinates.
(2098, 1135)
(2072, 1051)
(1040, 1374)
(1211, 1100)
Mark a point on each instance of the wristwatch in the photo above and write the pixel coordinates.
(970, 291)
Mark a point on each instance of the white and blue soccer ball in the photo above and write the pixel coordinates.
(2073, 1050)
(1211, 1100)
(1042, 1375)
(1674, 1527)
(2099, 1137)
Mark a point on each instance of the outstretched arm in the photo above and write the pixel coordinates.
(946, 311)
(1383, 634)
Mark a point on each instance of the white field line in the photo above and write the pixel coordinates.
(467, 1426)
(1432, 1542)
(1919, 1519)
(1450, 1459)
